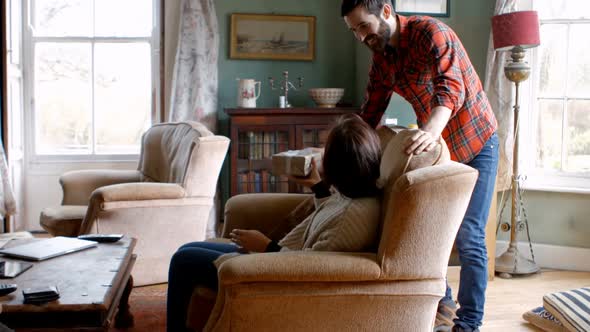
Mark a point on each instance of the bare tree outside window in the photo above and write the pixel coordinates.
(92, 75)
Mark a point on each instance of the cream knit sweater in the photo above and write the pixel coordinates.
(339, 223)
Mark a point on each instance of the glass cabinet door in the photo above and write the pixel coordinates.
(254, 163)
(312, 136)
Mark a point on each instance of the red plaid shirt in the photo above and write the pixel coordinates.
(428, 68)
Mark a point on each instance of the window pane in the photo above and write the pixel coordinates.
(122, 96)
(579, 61)
(62, 17)
(572, 9)
(62, 98)
(549, 134)
(553, 60)
(578, 145)
(130, 18)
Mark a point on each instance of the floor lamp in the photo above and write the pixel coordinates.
(515, 31)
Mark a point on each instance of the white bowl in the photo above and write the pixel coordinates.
(326, 97)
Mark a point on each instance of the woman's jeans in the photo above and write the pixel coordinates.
(470, 240)
(191, 265)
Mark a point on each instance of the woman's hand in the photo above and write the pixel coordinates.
(310, 180)
(250, 240)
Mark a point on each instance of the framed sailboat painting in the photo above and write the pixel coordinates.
(272, 37)
(439, 8)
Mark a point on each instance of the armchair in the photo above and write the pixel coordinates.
(396, 288)
(165, 203)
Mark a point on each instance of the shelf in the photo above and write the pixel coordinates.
(292, 111)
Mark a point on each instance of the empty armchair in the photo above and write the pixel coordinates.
(165, 203)
(396, 288)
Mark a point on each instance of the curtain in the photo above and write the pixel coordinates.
(194, 80)
(500, 92)
(7, 202)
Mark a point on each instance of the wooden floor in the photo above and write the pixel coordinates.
(508, 299)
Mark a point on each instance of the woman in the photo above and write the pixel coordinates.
(346, 220)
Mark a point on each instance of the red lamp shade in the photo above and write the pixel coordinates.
(516, 29)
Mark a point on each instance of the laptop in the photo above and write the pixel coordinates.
(47, 248)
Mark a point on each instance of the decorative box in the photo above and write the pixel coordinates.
(296, 162)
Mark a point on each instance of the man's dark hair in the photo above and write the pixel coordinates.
(372, 6)
(352, 157)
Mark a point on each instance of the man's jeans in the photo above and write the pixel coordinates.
(470, 240)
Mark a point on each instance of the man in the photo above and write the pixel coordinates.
(423, 60)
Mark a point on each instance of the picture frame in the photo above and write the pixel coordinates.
(272, 37)
(435, 8)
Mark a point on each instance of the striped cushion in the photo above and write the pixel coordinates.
(544, 320)
(571, 308)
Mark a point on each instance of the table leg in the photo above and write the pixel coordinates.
(124, 318)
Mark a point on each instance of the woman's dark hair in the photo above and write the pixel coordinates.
(372, 6)
(352, 157)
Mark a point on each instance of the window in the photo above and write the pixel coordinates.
(93, 81)
(559, 121)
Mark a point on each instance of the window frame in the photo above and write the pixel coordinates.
(538, 178)
(28, 45)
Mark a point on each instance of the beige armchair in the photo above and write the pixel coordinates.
(165, 203)
(395, 289)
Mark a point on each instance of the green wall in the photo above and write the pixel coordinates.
(554, 218)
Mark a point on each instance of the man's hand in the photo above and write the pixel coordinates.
(310, 180)
(421, 141)
(250, 240)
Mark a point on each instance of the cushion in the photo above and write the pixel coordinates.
(63, 220)
(396, 162)
(544, 320)
(571, 308)
(166, 150)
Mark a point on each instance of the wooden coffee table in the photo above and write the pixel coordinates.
(93, 284)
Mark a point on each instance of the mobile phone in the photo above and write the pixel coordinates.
(13, 269)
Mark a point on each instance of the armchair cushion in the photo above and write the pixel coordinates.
(396, 161)
(63, 220)
(166, 150)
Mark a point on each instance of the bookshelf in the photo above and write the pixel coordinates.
(258, 133)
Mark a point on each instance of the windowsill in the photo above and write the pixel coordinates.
(555, 189)
(83, 160)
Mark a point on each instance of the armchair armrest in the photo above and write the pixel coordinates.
(138, 191)
(134, 195)
(300, 266)
(78, 186)
(258, 211)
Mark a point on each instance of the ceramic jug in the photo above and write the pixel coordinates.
(247, 92)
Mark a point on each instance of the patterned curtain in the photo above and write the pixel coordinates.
(500, 92)
(7, 202)
(194, 81)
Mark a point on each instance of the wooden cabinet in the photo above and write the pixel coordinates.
(258, 133)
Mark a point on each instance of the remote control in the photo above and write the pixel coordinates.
(101, 238)
(6, 289)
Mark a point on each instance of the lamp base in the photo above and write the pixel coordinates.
(513, 263)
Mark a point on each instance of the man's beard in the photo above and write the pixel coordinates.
(377, 42)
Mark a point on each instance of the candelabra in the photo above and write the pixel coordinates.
(285, 85)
